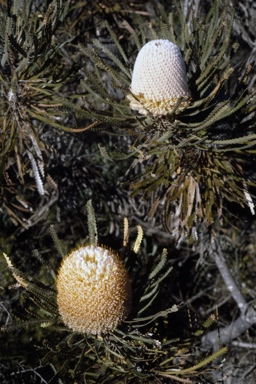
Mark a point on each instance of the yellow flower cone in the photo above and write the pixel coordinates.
(93, 290)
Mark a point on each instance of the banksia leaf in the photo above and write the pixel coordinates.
(139, 238)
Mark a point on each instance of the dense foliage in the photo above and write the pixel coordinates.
(173, 195)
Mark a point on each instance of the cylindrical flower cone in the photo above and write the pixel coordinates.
(159, 79)
(93, 290)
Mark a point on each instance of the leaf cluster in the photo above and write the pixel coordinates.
(188, 164)
(138, 350)
(32, 76)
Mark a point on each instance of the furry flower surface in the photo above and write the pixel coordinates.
(159, 79)
(93, 290)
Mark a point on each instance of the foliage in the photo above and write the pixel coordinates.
(33, 76)
(67, 135)
(188, 165)
(138, 350)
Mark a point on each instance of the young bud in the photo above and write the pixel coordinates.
(159, 79)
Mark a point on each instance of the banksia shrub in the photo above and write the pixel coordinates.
(34, 78)
(159, 79)
(93, 296)
(187, 165)
(93, 290)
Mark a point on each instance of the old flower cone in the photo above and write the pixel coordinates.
(93, 290)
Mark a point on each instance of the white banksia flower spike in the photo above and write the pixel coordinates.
(93, 290)
(159, 79)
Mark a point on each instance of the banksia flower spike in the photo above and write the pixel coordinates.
(159, 79)
(93, 290)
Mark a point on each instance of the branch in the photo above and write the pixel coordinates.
(247, 316)
(217, 255)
